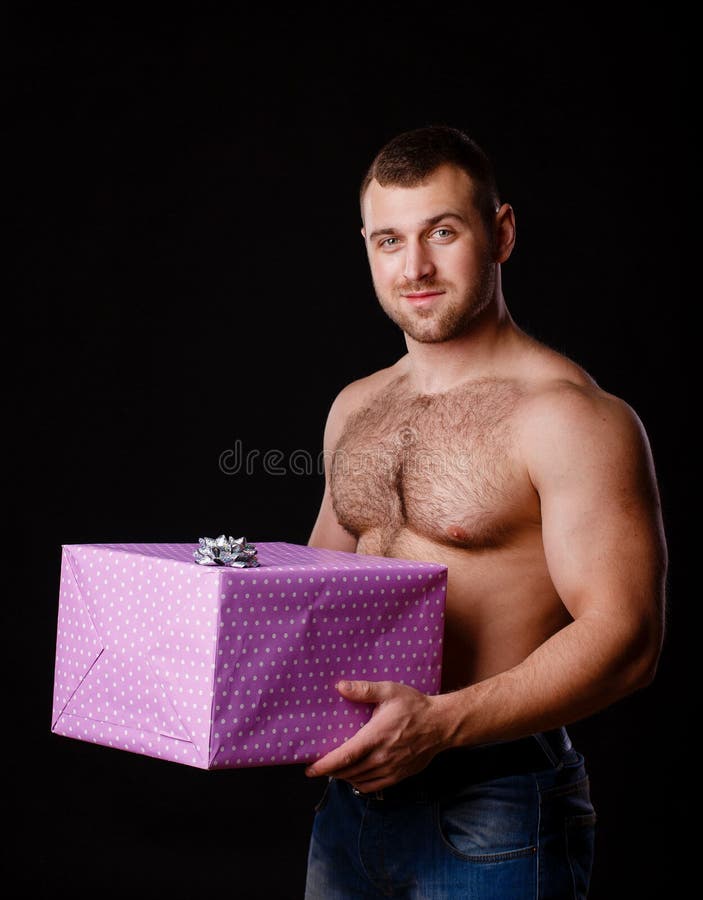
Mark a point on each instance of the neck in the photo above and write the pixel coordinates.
(436, 368)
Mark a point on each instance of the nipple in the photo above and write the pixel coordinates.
(457, 533)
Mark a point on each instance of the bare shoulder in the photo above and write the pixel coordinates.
(357, 394)
(588, 456)
(566, 418)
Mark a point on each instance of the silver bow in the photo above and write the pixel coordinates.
(222, 551)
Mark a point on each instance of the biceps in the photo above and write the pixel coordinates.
(327, 532)
(603, 550)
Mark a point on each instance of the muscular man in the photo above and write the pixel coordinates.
(493, 454)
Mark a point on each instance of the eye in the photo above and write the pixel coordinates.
(442, 233)
(388, 243)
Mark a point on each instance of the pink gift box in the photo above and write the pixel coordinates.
(218, 667)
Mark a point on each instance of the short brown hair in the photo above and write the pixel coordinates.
(412, 156)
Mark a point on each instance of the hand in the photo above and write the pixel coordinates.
(400, 739)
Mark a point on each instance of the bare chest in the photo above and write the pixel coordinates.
(443, 466)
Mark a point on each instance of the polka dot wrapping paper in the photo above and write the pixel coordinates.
(218, 667)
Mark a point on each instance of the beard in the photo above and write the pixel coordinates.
(450, 319)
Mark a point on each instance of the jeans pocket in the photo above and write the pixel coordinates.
(492, 821)
(580, 839)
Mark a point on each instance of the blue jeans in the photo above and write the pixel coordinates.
(517, 837)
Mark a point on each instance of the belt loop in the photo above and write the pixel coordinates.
(543, 741)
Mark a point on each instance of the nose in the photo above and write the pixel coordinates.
(418, 261)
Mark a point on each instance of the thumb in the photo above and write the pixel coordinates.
(366, 691)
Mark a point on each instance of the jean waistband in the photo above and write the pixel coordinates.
(470, 765)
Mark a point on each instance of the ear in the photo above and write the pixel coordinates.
(363, 232)
(504, 233)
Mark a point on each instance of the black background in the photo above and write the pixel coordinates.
(187, 273)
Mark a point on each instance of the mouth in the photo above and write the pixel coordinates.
(421, 298)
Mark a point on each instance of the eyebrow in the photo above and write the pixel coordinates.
(426, 223)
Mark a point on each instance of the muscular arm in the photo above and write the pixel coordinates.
(327, 532)
(588, 458)
(589, 461)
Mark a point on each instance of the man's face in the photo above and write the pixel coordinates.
(430, 255)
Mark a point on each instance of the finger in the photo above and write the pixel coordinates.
(367, 691)
(341, 759)
(375, 784)
(378, 764)
(364, 770)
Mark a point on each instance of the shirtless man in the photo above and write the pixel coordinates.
(486, 451)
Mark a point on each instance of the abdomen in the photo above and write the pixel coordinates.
(501, 603)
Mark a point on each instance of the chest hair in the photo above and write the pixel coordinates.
(442, 465)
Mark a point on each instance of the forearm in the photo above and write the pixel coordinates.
(580, 670)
